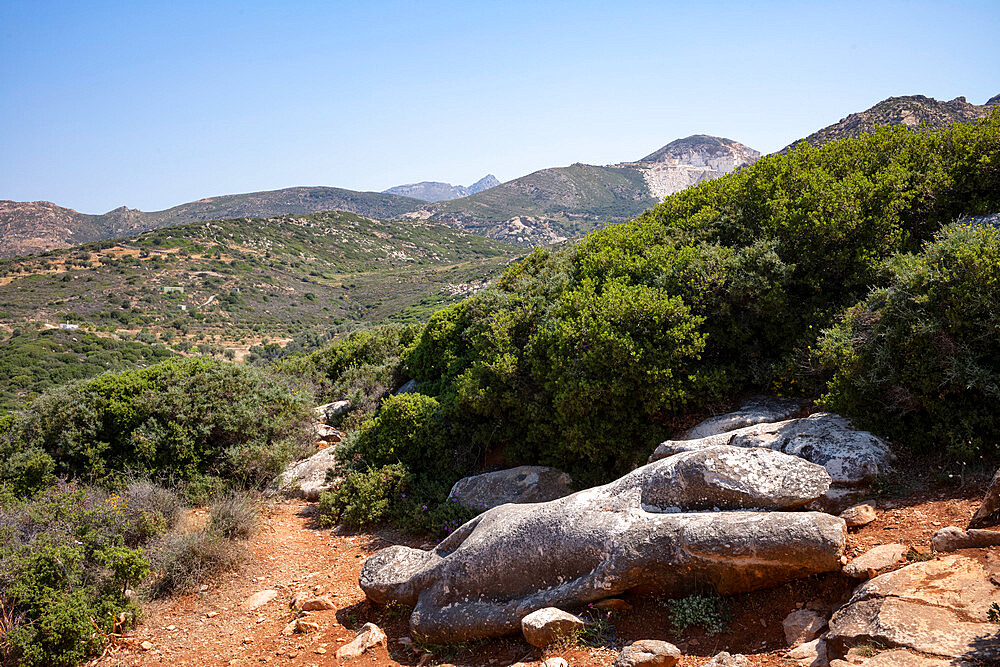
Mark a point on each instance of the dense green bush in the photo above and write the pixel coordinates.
(183, 419)
(576, 356)
(918, 360)
(579, 357)
(364, 367)
(66, 562)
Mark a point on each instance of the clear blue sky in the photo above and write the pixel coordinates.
(153, 104)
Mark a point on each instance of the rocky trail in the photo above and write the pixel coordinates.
(239, 619)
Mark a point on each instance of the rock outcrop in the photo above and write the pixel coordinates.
(524, 484)
(631, 534)
(989, 512)
(851, 457)
(753, 411)
(307, 478)
(331, 412)
(938, 607)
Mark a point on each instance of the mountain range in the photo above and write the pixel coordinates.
(543, 207)
(435, 191)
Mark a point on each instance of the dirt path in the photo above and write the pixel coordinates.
(213, 626)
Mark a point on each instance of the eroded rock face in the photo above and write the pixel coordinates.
(851, 457)
(756, 410)
(626, 535)
(307, 478)
(332, 411)
(524, 484)
(989, 512)
(937, 607)
(876, 558)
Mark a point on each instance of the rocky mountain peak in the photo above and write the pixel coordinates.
(485, 183)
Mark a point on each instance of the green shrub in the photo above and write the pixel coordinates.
(234, 515)
(708, 612)
(918, 360)
(182, 561)
(362, 499)
(363, 367)
(177, 420)
(65, 567)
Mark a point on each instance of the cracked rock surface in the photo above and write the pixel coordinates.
(636, 533)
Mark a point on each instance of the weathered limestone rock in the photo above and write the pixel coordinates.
(321, 603)
(756, 410)
(648, 653)
(859, 515)
(936, 607)
(626, 535)
(549, 625)
(259, 599)
(370, 635)
(876, 558)
(810, 654)
(525, 484)
(802, 626)
(325, 433)
(900, 658)
(851, 457)
(989, 512)
(408, 388)
(954, 538)
(332, 411)
(307, 478)
(726, 659)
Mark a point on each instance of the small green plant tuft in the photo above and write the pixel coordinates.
(709, 612)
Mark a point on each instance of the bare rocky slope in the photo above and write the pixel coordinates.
(435, 191)
(909, 110)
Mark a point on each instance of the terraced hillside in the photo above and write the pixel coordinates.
(233, 283)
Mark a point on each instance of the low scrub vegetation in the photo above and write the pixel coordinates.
(917, 360)
(580, 357)
(95, 478)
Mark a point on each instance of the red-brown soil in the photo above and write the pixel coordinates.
(290, 554)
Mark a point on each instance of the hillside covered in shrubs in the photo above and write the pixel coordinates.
(840, 265)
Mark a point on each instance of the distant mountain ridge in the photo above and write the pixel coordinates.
(435, 191)
(552, 205)
(30, 227)
(909, 110)
(546, 206)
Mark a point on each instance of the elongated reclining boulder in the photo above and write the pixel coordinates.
(756, 410)
(851, 457)
(636, 533)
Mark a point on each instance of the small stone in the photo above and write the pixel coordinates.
(555, 662)
(725, 659)
(859, 515)
(146, 645)
(802, 626)
(548, 625)
(212, 614)
(248, 640)
(320, 651)
(875, 559)
(370, 635)
(810, 653)
(171, 627)
(649, 653)
(259, 599)
(322, 603)
(203, 588)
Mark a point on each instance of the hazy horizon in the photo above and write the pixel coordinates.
(150, 105)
